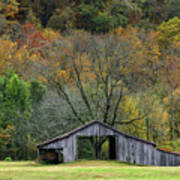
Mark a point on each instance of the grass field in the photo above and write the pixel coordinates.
(85, 170)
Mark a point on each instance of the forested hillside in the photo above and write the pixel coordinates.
(64, 63)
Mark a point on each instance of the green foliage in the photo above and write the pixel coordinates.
(85, 13)
(17, 98)
(168, 32)
(95, 16)
(173, 8)
(37, 91)
(85, 148)
(14, 98)
(103, 22)
(105, 150)
(100, 16)
(8, 159)
(177, 145)
(62, 20)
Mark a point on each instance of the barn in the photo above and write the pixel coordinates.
(123, 147)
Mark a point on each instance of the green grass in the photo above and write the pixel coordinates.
(85, 170)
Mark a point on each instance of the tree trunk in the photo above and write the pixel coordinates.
(147, 129)
(97, 146)
(171, 123)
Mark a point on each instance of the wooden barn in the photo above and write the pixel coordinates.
(123, 147)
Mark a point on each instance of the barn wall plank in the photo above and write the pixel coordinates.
(137, 156)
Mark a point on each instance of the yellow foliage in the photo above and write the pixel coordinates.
(168, 33)
(118, 31)
(50, 34)
(42, 79)
(19, 59)
(129, 110)
(9, 8)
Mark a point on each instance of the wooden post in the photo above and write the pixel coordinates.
(96, 145)
(38, 155)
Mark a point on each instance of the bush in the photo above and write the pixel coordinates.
(8, 159)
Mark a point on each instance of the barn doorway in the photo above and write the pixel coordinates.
(112, 145)
(96, 147)
(51, 156)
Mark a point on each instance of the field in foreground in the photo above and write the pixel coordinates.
(85, 170)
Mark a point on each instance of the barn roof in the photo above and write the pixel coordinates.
(87, 125)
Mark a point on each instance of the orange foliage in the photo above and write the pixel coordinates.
(31, 37)
(5, 134)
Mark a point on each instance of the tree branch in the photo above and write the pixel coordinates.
(133, 120)
(108, 101)
(82, 92)
(116, 107)
(61, 90)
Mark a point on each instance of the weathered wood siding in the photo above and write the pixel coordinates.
(128, 149)
(134, 151)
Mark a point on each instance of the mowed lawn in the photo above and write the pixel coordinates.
(85, 170)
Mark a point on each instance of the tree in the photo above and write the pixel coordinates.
(5, 140)
(24, 7)
(15, 109)
(43, 9)
(171, 70)
(17, 101)
(169, 65)
(173, 8)
(62, 20)
(9, 9)
(108, 63)
(50, 118)
(31, 37)
(14, 99)
(19, 58)
(103, 22)
(168, 33)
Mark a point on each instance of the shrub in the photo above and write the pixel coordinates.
(8, 159)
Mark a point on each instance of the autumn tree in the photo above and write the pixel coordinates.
(102, 71)
(169, 39)
(168, 33)
(9, 8)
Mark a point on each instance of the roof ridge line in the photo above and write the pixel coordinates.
(88, 124)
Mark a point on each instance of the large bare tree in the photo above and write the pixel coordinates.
(99, 70)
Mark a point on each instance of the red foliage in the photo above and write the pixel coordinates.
(31, 37)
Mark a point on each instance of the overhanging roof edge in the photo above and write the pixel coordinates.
(87, 125)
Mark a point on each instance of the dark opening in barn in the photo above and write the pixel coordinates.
(53, 156)
(96, 147)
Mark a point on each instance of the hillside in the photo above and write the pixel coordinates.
(64, 63)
